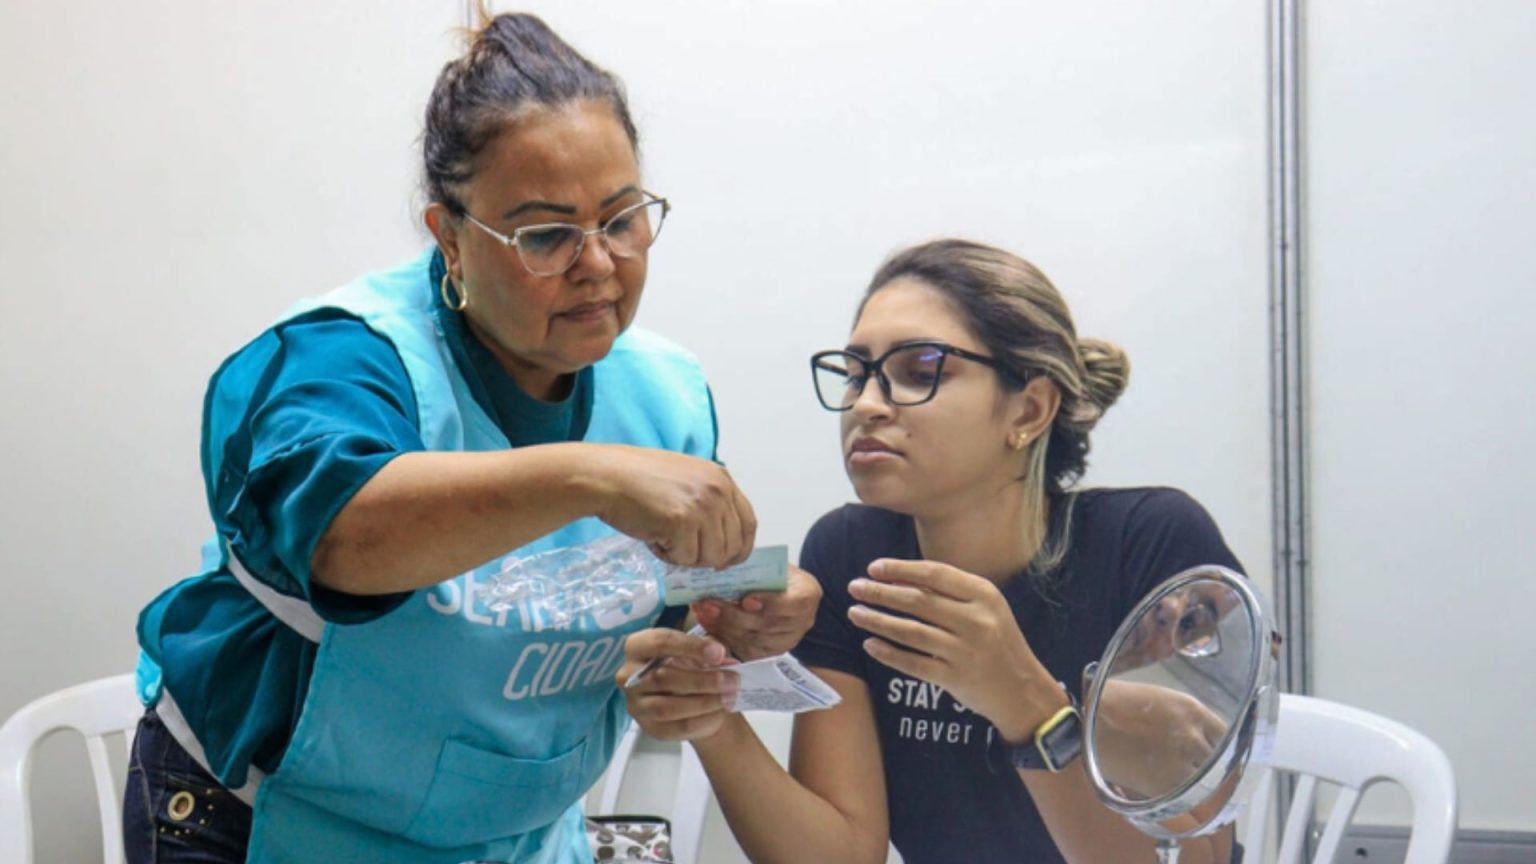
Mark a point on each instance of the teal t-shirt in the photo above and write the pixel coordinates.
(304, 416)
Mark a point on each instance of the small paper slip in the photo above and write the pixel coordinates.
(780, 684)
(766, 570)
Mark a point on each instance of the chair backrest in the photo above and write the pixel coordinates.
(95, 710)
(1321, 741)
(690, 798)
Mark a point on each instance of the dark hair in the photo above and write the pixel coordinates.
(514, 63)
(1015, 311)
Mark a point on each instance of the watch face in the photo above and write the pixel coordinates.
(1061, 743)
(1055, 744)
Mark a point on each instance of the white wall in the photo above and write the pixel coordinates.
(177, 172)
(173, 174)
(1421, 202)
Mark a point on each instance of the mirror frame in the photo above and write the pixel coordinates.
(1249, 740)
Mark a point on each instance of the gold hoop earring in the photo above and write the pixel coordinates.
(450, 292)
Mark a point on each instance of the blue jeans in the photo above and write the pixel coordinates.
(174, 812)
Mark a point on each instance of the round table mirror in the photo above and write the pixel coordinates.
(1180, 711)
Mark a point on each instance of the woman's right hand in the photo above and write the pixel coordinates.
(688, 509)
(688, 695)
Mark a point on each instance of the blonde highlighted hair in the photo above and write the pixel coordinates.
(1015, 311)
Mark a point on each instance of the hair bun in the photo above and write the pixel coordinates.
(1107, 368)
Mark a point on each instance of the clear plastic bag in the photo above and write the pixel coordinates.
(563, 584)
(609, 574)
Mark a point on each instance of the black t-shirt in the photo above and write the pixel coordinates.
(945, 805)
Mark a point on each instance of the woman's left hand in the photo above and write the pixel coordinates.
(764, 624)
(964, 639)
(686, 697)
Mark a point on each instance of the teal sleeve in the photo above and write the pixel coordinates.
(295, 424)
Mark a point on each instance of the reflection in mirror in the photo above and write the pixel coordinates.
(1156, 738)
(1174, 708)
(1174, 689)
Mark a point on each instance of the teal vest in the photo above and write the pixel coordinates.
(444, 731)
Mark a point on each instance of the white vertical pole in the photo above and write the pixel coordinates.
(1287, 363)
(1288, 430)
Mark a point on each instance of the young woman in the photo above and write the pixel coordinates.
(964, 594)
(329, 688)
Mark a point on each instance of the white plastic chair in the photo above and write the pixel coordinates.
(1321, 741)
(95, 709)
(690, 799)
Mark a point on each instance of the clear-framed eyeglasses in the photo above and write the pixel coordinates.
(551, 248)
(909, 374)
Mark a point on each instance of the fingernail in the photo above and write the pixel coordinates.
(714, 652)
(857, 614)
(857, 586)
(877, 567)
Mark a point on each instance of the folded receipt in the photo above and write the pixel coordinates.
(780, 684)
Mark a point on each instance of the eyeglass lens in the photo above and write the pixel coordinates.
(912, 373)
(551, 249)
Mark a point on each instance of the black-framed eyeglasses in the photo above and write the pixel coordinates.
(909, 374)
(551, 248)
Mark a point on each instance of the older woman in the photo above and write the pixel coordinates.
(329, 688)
